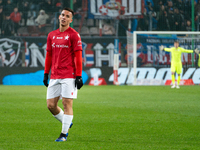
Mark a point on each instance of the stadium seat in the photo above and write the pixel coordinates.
(76, 28)
(85, 31)
(94, 31)
(22, 30)
(76, 22)
(48, 29)
(90, 22)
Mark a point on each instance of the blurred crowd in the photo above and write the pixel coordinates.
(17, 13)
(160, 15)
(168, 15)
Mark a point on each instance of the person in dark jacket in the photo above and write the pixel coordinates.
(7, 26)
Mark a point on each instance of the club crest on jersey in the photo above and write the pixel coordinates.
(53, 37)
(67, 37)
(10, 50)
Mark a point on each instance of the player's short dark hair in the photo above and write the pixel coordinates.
(69, 9)
(176, 41)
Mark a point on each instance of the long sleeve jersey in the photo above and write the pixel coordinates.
(176, 53)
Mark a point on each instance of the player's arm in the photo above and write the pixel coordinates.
(77, 47)
(48, 62)
(78, 65)
(165, 49)
(190, 51)
(186, 50)
(78, 62)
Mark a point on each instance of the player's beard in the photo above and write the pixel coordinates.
(64, 25)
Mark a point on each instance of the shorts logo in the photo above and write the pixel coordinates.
(72, 93)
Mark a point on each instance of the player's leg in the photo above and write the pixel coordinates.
(52, 105)
(173, 75)
(179, 70)
(69, 92)
(53, 94)
(67, 118)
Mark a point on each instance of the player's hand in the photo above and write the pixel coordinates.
(78, 82)
(161, 47)
(196, 51)
(45, 80)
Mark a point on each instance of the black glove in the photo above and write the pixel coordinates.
(45, 80)
(78, 82)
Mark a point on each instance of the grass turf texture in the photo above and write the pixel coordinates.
(105, 117)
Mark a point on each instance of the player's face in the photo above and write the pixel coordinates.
(176, 44)
(65, 18)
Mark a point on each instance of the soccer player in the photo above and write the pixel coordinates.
(64, 58)
(176, 64)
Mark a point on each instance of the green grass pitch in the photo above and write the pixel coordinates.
(105, 117)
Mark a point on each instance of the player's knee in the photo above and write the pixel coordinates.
(51, 106)
(67, 102)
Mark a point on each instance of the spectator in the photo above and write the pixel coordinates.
(1, 3)
(143, 23)
(197, 11)
(58, 5)
(170, 14)
(188, 9)
(24, 10)
(1, 18)
(163, 22)
(15, 16)
(77, 5)
(149, 7)
(108, 29)
(48, 7)
(154, 21)
(180, 6)
(188, 26)
(1, 60)
(7, 26)
(157, 5)
(31, 18)
(9, 7)
(41, 20)
(178, 20)
(35, 5)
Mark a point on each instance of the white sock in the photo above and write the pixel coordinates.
(59, 116)
(67, 120)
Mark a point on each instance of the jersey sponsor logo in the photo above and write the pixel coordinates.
(53, 37)
(59, 38)
(60, 46)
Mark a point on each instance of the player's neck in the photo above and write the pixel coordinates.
(62, 29)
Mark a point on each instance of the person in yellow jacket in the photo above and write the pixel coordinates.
(176, 64)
